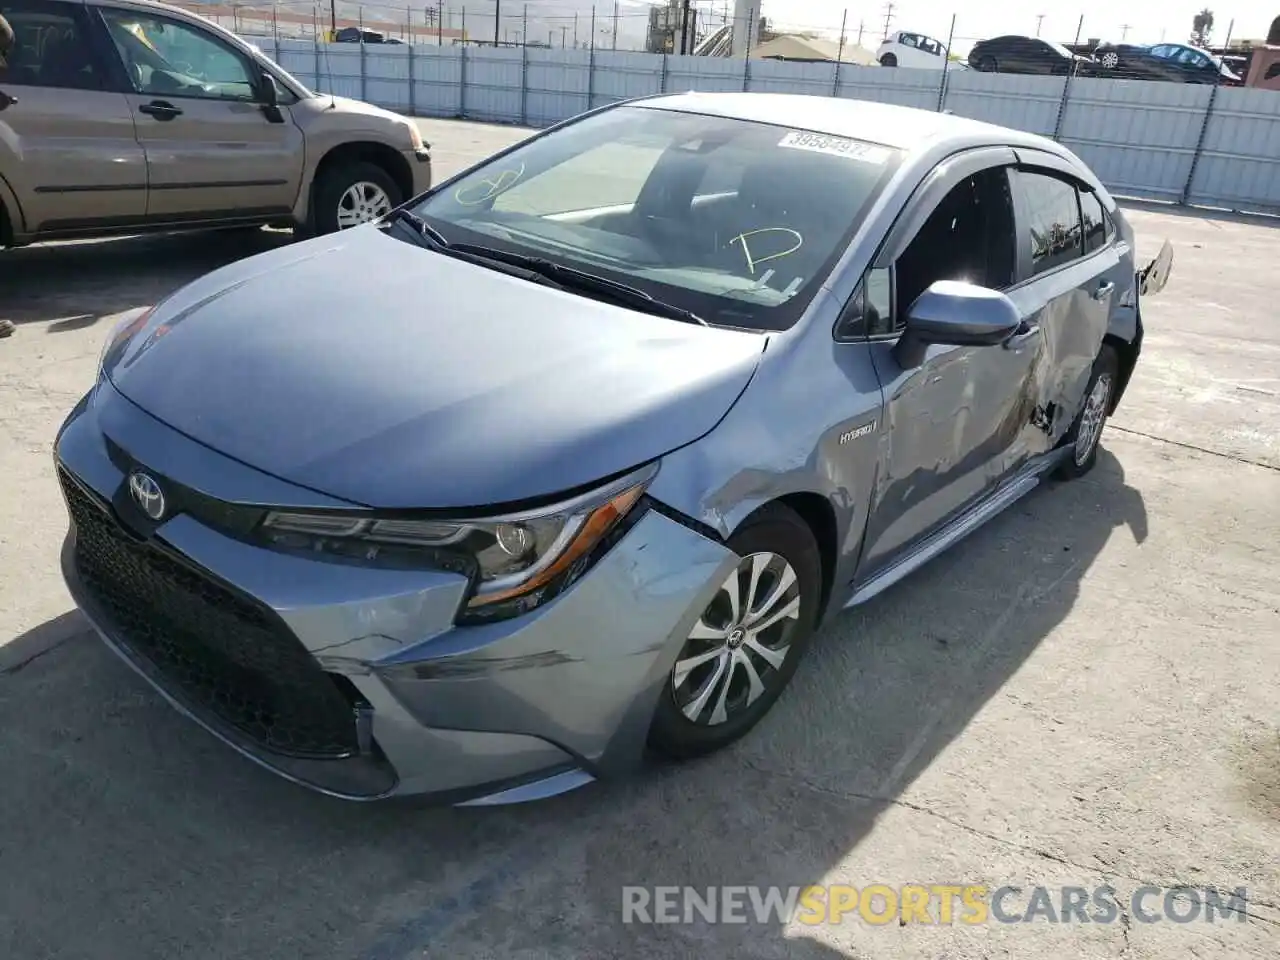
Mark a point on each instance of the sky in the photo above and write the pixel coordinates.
(1148, 21)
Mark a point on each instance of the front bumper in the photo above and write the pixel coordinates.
(353, 680)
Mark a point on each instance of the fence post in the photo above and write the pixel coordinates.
(413, 83)
(591, 63)
(835, 80)
(462, 82)
(315, 37)
(1066, 85)
(946, 63)
(524, 71)
(1204, 127)
(662, 82)
(363, 95)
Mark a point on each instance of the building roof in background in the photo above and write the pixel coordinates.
(794, 47)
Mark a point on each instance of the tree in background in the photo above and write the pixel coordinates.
(1201, 28)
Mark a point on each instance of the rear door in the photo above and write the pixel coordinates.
(212, 153)
(67, 144)
(1071, 276)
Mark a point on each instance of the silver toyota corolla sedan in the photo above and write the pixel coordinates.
(569, 457)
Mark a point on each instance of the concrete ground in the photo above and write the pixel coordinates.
(1083, 693)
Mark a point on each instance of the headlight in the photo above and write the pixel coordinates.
(516, 562)
(125, 328)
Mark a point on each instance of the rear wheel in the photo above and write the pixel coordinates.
(988, 65)
(888, 60)
(351, 194)
(1086, 431)
(746, 644)
(1109, 60)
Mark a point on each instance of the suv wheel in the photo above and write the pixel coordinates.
(888, 60)
(351, 194)
(746, 644)
(1086, 431)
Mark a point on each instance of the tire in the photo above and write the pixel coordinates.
(888, 60)
(778, 531)
(988, 65)
(1079, 458)
(332, 188)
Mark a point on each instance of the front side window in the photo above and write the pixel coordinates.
(50, 47)
(1162, 51)
(1093, 216)
(165, 58)
(969, 237)
(739, 222)
(1054, 220)
(908, 39)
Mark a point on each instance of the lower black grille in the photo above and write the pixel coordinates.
(220, 650)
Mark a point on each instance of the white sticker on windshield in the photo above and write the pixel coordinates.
(836, 146)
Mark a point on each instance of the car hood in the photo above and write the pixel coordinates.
(388, 375)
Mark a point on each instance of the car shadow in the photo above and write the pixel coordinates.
(160, 841)
(72, 285)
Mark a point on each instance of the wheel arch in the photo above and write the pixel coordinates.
(817, 513)
(1127, 351)
(363, 151)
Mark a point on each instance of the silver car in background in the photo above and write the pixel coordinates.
(569, 457)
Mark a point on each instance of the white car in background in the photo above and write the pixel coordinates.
(914, 50)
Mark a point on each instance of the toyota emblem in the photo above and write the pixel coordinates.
(147, 494)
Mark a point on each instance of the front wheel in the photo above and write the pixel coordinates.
(1082, 439)
(988, 65)
(744, 647)
(888, 60)
(351, 194)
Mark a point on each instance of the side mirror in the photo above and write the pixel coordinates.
(269, 98)
(956, 314)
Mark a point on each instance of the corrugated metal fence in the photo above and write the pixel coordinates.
(1163, 141)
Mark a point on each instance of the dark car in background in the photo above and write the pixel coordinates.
(1013, 54)
(1176, 62)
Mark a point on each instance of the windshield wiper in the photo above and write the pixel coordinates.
(584, 282)
(420, 227)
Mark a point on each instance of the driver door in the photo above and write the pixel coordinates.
(212, 154)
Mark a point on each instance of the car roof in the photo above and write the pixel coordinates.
(905, 128)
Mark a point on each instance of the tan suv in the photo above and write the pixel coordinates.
(122, 115)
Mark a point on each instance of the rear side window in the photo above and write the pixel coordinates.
(1093, 217)
(51, 47)
(1053, 218)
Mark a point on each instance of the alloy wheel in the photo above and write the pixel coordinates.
(362, 202)
(740, 642)
(1092, 417)
(1110, 60)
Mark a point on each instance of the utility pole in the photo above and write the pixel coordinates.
(575, 29)
(333, 19)
(497, 19)
(686, 41)
(615, 24)
(861, 24)
(888, 19)
(1124, 31)
(843, 23)
(564, 32)
(1039, 20)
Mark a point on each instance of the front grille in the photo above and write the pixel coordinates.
(218, 650)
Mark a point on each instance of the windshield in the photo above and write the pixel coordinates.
(1061, 50)
(738, 222)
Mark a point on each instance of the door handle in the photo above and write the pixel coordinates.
(1022, 336)
(6, 101)
(1104, 290)
(160, 109)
